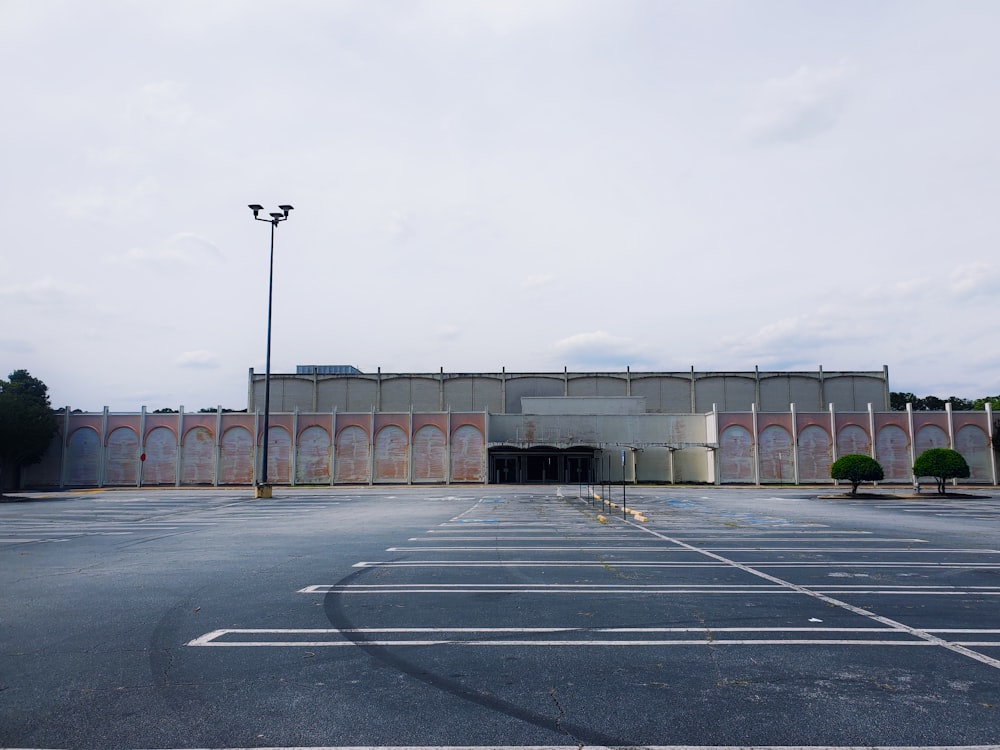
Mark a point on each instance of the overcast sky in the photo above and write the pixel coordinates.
(477, 185)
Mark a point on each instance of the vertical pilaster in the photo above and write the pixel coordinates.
(333, 446)
(871, 431)
(103, 452)
(218, 446)
(951, 431)
(179, 458)
(256, 446)
(64, 460)
(950, 416)
(912, 438)
(486, 440)
(795, 443)
(990, 437)
(142, 445)
(294, 441)
(447, 451)
(754, 447)
(371, 438)
(833, 433)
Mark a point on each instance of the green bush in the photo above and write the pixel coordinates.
(942, 464)
(855, 468)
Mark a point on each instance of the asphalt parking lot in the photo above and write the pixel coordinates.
(499, 616)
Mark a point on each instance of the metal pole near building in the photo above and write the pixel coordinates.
(262, 488)
(624, 509)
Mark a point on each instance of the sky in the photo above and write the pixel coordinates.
(484, 184)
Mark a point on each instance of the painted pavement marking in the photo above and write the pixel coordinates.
(571, 636)
(916, 632)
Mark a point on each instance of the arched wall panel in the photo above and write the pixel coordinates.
(892, 451)
(429, 455)
(815, 454)
(198, 457)
(236, 456)
(467, 445)
(736, 455)
(930, 436)
(313, 464)
(83, 456)
(120, 462)
(853, 440)
(352, 456)
(160, 466)
(974, 445)
(279, 455)
(776, 455)
(391, 455)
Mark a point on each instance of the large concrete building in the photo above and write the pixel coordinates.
(336, 425)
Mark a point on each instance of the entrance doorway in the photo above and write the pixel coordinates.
(541, 466)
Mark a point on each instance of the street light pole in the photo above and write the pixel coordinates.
(262, 488)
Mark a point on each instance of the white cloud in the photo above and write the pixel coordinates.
(975, 280)
(16, 346)
(198, 360)
(160, 105)
(794, 341)
(184, 249)
(113, 200)
(448, 334)
(44, 291)
(538, 280)
(599, 349)
(799, 106)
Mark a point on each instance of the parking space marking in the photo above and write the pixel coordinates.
(666, 564)
(598, 637)
(646, 747)
(680, 588)
(916, 632)
(617, 747)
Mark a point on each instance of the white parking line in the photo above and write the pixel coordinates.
(705, 636)
(660, 550)
(584, 588)
(663, 564)
(916, 632)
(619, 747)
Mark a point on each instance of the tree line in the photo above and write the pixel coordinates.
(898, 402)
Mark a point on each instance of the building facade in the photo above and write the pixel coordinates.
(350, 428)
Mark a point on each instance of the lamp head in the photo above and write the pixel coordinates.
(277, 216)
(256, 208)
(286, 208)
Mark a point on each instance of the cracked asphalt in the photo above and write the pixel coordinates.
(497, 616)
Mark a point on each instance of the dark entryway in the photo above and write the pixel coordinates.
(541, 466)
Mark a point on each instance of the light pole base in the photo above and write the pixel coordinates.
(262, 491)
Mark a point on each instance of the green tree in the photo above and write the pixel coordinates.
(942, 464)
(993, 401)
(27, 423)
(855, 468)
